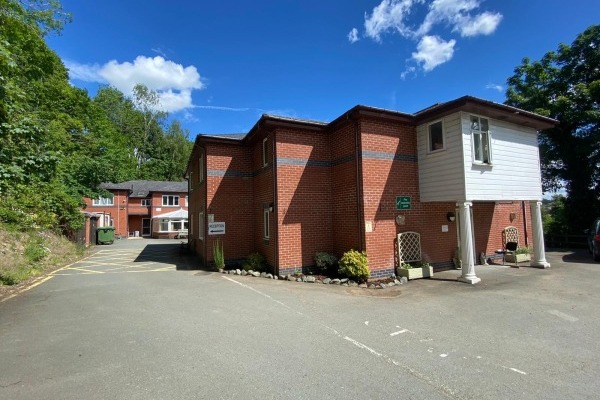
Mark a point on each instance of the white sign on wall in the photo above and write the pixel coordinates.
(216, 228)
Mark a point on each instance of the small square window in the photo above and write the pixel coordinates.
(146, 202)
(436, 136)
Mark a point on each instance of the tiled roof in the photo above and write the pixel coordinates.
(144, 188)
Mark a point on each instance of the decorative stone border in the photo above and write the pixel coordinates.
(392, 281)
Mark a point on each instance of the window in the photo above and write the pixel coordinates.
(201, 166)
(201, 225)
(266, 213)
(146, 202)
(103, 201)
(164, 225)
(191, 182)
(265, 152)
(482, 152)
(168, 225)
(436, 136)
(170, 200)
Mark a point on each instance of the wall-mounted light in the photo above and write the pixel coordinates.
(451, 216)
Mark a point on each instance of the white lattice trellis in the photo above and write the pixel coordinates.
(510, 234)
(409, 247)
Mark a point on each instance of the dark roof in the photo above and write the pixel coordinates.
(495, 110)
(232, 136)
(466, 103)
(144, 188)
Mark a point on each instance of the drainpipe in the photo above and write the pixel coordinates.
(275, 206)
(525, 224)
(359, 194)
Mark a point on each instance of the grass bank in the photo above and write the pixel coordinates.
(26, 254)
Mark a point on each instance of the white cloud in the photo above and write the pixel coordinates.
(483, 24)
(494, 86)
(461, 16)
(389, 15)
(433, 51)
(173, 82)
(353, 35)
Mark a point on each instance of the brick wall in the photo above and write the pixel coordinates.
(389, 169)
(229, 198)
(490, 219)
(263, 195)
(345, 215)
(303, 197)
(117, 212)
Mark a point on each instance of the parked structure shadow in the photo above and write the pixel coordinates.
(169, 253)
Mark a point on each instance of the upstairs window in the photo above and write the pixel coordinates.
(146, 202)
(265, 152)
(480, 132)
(436, 136)
(103, 201)
(201, 166)
(170, 200)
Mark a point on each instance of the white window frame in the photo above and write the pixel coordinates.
(201, 225)
(169, 224)
(201, 166)
(146, 202)
(266, 219)
(167, 197)
(104, 201)
(483, 136)
(265, 152)
(430, 148)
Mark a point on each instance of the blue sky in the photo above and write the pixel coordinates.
(219, 65)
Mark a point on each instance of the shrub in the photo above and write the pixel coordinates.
(354, 265)
(326, 263)
(255, 262)
(218, 255)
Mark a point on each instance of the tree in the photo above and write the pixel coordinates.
(565, 85)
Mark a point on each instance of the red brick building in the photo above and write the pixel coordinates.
(456, 173)
(143, 208)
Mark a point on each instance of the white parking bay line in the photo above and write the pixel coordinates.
(562, 315)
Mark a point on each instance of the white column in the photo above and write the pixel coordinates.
(466, 244)
(539, 250)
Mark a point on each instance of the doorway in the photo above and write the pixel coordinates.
(146, 227)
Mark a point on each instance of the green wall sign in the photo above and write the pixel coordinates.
(402, 202)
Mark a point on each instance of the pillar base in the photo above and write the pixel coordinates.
(540, 264)
(470, 280)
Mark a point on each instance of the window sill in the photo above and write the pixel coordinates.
(436, 151)
(481, 164)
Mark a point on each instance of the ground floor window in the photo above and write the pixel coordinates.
(266, 218)
(173, 225)
(201, 225)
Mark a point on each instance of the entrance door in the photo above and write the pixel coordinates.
(146, 227)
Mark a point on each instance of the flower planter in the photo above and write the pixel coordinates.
(415, 273)
(517, 258)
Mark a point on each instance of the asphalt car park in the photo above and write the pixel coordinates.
(133, 321)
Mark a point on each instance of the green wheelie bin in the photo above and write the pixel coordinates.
(105, 235)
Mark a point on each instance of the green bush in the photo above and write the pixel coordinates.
(354, 265)
(218, 254)
(326, 263)
(255, 262)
